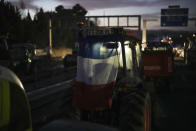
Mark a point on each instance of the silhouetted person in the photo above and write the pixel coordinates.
(188, 46)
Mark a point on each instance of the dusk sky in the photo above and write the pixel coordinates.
(146, 8)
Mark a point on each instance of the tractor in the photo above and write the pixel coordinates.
(108, 88)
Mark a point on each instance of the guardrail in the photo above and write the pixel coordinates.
(50, 102)
(45, 79)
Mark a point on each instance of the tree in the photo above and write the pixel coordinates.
(79, 11)
(24, 30)
(59, 9)
(28, 17)
(10, 20)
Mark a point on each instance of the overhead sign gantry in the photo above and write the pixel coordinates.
(129, 21)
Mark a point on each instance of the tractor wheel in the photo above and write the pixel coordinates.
(135, 111)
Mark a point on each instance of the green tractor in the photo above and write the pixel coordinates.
(14, 105)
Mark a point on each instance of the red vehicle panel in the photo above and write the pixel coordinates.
(93, 97)
(158, 63)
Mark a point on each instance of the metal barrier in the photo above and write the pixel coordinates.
(50, 102)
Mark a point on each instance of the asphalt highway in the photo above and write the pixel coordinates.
(175, 109)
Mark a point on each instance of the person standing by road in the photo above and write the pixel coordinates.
(188, 46)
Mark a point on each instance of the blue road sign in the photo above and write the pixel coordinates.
(174, 17)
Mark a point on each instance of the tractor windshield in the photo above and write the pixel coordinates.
(97, 61)
(101, 57)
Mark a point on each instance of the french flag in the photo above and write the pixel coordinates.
(97, 68)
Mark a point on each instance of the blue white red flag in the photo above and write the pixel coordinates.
(97, 68)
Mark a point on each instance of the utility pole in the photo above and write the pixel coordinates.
(50, 38)
(144, 32)
(145, 29)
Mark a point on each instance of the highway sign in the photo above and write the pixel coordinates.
(174, 17)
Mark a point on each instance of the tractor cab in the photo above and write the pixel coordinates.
(108, 86)
(106, 56)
